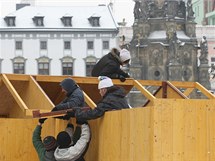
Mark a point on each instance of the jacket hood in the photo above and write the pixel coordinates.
(69, 85)
(116, 54)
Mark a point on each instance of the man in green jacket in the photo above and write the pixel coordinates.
(45, 149)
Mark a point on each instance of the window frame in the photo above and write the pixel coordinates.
(43, 45)
(18, 45)
(90, 46)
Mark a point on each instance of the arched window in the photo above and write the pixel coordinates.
(19, 65)
(67, 65)
(43, 65)
(90, 63)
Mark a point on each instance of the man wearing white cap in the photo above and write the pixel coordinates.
(109, 65)
(113, 98)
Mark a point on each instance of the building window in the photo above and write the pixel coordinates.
(19, 65)
(105, 44)
(212, 59)
(10, 20)
(18, 45)
(0, 64)
(94, 20)
(43, 45)
(67, 45)
(67, 68)
(90, 45)
(90, 63)
(43, 68)
(43, 65)
(67, 20)
(18, 68)
(38, 20)
(67, 65)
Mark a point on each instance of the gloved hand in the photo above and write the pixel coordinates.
(70, 113)
(70, 125)
(81, 121)
(121, 78)
(42, 120)
(55, 109)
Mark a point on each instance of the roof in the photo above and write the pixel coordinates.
(52, 18)
(162, 35)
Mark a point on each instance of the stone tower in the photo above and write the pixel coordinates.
(164, 44)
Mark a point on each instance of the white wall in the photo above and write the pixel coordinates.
(55, 51)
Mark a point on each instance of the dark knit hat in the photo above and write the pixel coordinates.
(63, 139)
(68, 84)
(50, 143)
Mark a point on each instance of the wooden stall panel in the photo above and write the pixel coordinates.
(183, 130)
(16, 138)
(7, 101)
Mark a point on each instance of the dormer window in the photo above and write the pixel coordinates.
(67, 20)
(10, 20)
(38, 20)
(94, 20)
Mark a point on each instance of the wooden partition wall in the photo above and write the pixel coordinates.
(173, 130)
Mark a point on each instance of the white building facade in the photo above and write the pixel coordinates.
(56, 40)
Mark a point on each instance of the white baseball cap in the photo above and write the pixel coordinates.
(104, 82)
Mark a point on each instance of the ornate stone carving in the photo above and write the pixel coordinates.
(204, 51)
(156, 73)
(190, 13)
(186, 58)
(187, 73)
(156, 57)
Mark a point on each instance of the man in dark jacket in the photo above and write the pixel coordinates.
(75, 96)
(113, 98)
(109, 65)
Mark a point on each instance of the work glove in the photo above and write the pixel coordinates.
(56, 108)
(121, 78)
(70, 125)
(42, 120)
(81, 121)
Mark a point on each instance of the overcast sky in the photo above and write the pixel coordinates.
(122, 8)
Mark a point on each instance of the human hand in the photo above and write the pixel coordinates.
(122, 79)
(41, 121)
(81, 121)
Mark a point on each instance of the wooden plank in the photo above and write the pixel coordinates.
(89, 101)
(146, 93)
(176, 90)
(18, 77)
(35, 92)
(178, 129)
(183, 84)
(150, 82)
(204, 91)
(12, 90)
(188, 91)
(38, 114)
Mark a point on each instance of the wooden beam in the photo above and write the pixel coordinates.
(38, 114)
(13, 92)
(89, 101)
(18, 77)
(188, 91)
(150, 82)
(204, 91)
(41, 94)
(176, 90)
(183, 84)
(145, 92)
